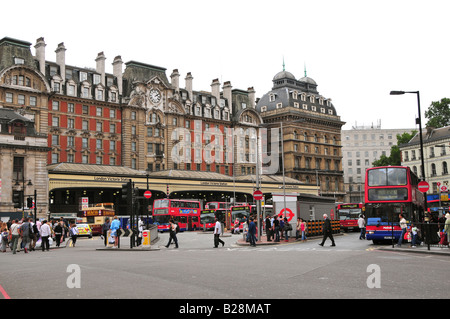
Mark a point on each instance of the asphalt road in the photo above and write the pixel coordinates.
(352, 269)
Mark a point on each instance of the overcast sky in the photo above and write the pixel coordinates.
(356, 51)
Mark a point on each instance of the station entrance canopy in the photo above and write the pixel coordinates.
(69, 175)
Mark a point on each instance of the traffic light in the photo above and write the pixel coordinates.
(29, 202)
(18, 199)
(126, 191)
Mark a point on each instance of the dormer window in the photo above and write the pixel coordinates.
(271, 97)
(312, 99)
(83, 76)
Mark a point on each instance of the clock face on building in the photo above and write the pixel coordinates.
(155, 96)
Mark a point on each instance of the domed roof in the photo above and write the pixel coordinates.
(308, 80)
(283, 74)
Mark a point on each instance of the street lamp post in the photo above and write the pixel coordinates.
(418, 121)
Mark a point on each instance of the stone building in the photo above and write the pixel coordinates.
(23, 165)
(311, 132)
(362, 145)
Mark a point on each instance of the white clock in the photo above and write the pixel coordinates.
(155, 96)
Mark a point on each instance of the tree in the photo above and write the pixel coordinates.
(395, 156)
(438, 114)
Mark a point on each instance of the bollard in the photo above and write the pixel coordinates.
(108, 243)
(146, 239)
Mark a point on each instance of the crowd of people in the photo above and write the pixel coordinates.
(27, 235)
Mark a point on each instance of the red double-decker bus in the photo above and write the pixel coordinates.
(243, 212)
(349, 214)
(390, 191)
(207, 217)
(184, 212)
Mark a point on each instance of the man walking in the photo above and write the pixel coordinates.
(172, 233)
(217, 232)
(362, 227)
(327, 231)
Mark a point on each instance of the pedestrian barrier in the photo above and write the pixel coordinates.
(314, 227)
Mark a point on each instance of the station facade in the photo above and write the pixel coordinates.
(104, 128)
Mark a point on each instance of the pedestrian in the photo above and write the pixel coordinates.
(327, 231)
(73, 232)
(14, 235)
(281, 227)
(115, 226)
(173, 229)
(414, 232)
(362, 227)
(45, 233)
(287, 228)
(4, 238)
(276, 227)
(25, 230)
(252, 232)
(303, 229)
(58, 232)
(217, 232)
(447, 226)
(298, 228)
(245, 231)
(34, 234)
(268, 228)
(105, 228)
(404, 227)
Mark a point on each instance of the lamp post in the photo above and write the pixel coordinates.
(418, 121)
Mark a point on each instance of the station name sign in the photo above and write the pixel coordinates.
(111, 179)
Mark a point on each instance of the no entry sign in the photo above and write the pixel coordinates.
(257, 195)
(147, 194)
(424, 186)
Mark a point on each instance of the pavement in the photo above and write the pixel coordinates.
(421, 249)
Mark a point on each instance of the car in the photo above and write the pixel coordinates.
(84, 230)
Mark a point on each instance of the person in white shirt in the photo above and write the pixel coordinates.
(45, 233)
(217, 232)
(362, 226)
(404, 227)
(14, 230)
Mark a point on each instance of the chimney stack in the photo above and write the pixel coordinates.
(61, 59)
(227, 94)
(175, 77)
(251, 96)
(215, 90)
(117, 71)
(100, 68)
(188, 80)
(40, 54)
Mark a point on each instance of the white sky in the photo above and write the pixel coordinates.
(356, 51)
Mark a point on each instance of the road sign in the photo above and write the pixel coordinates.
(289, 214)
(125, 232)
(258, 195)
(424, 186)
(444, 188)
(147, 194)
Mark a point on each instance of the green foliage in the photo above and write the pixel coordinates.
(438, 114)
